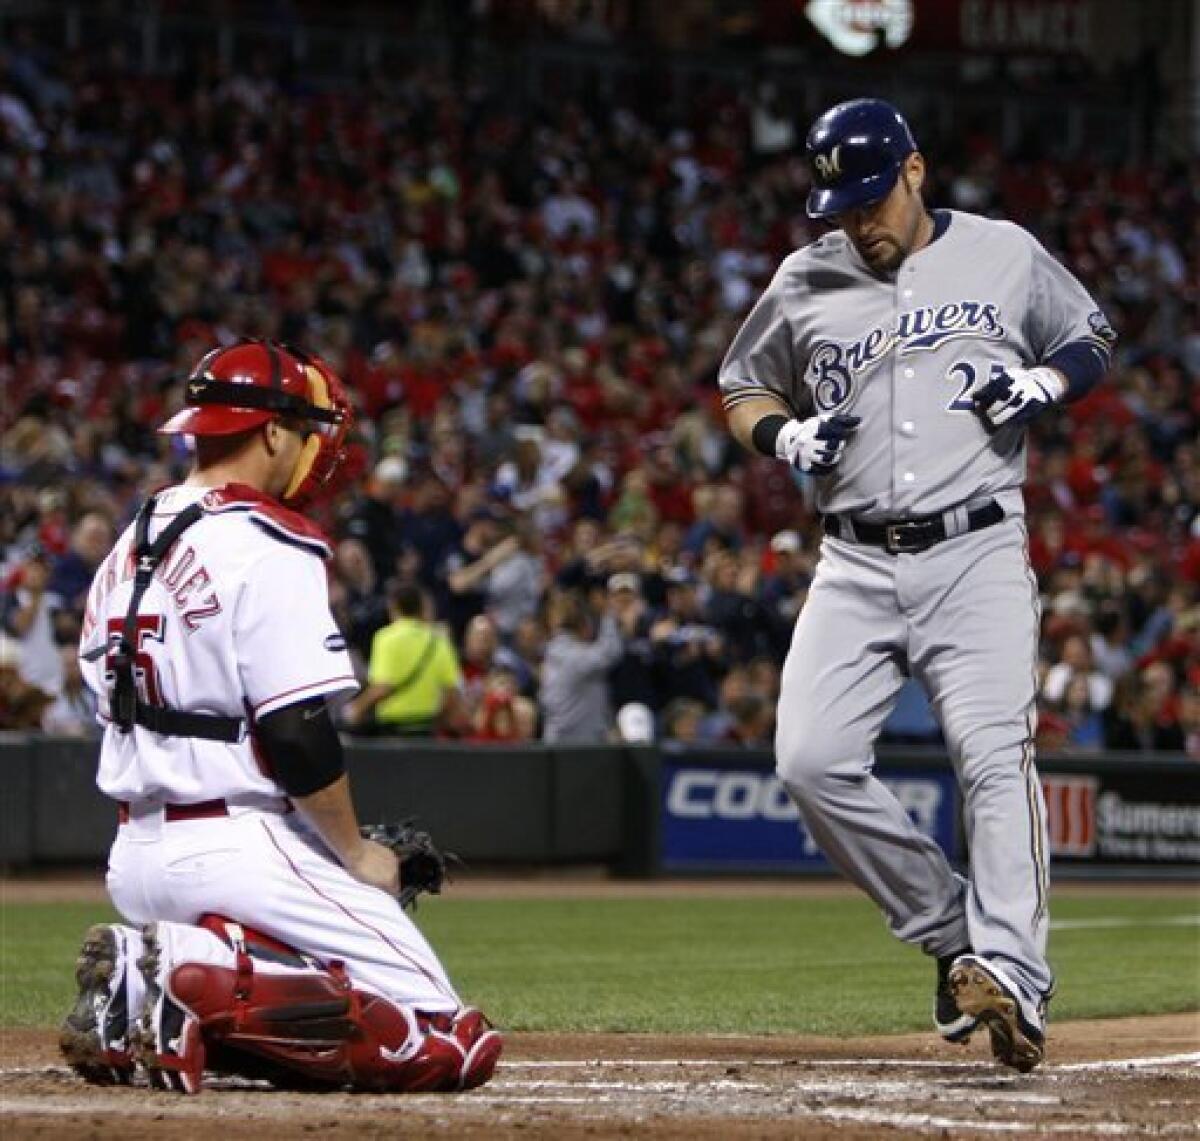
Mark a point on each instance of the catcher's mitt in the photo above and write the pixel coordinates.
(422, 863)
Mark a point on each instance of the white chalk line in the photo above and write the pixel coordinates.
(1130, 1063)
(599, 1097)
(857, 1089)
(858, 1063)
(177, 1106)
(1103, 922)
(1114, 1064)
(901, 1120)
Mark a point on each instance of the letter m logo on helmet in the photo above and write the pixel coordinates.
(855, 151)
(829, 166)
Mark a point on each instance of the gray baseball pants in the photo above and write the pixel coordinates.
(962, 617)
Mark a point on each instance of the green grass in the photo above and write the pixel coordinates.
(755, 965)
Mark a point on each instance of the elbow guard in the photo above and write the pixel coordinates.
(302, 746)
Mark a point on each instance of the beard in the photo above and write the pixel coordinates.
(884, 255)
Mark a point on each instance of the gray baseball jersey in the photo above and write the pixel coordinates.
(904, 354)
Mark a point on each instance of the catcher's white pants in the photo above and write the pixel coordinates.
(273, 873)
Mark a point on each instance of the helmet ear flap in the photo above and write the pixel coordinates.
(324, 450)
(304, 466)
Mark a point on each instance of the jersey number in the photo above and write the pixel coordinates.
(149, 627)
(964, 374)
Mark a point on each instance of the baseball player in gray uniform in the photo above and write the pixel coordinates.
(898, 360)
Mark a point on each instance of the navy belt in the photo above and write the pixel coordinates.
(911, 536)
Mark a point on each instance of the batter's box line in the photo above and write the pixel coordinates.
(1164, 1060)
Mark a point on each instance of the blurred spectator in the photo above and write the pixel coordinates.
(1077, 663)
(632, 679)
(1161, 696)
(733, 608)
(786, 583)
(590, 561)
(751, 722)
(464, 570)
(1109, 640)
(502, 714)
(763, 676)
(22, 706)
(478, 658)
(29, 615)
(532, 480)
(583, 646)
(681, 721)
(414, 680)
(689, 654)
(72, 572)
(1189, 720)
(516, 578)
(428, 528)
(526, 652)
(73, 711)
(718, 718)
(634, 510)
(720, 520)
(1145, 715)
(373, 516)
(1083, 723)
(483, 654)
(362, 609)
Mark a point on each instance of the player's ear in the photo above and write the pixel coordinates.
(272, 432)
(914, 172)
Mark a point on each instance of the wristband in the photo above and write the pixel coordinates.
(766, 432)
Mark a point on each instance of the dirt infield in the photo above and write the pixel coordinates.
(1122, 1078)
(1136, 1078)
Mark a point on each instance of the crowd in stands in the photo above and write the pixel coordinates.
(544, 514)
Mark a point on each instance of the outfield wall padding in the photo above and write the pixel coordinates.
(638, 809)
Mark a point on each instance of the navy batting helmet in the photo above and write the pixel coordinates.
(855, 151)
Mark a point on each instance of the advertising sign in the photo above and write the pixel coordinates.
(1024, 27)
(736, 816)
(1123, 817)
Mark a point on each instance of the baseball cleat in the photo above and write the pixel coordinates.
(981, 989)
(94, 1035)
(950, 1022)
(167, 1042)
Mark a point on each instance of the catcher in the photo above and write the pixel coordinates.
(268, 935)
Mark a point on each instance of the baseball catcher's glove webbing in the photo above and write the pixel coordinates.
(422, 863)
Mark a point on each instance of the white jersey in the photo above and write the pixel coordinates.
(236, 622)
(906, 352)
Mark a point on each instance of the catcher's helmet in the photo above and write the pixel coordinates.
(238, 388)
(855, 151)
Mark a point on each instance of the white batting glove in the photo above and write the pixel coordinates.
(1017, 395)
(815, 445)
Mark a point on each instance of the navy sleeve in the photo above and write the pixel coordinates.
(1083, 363)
